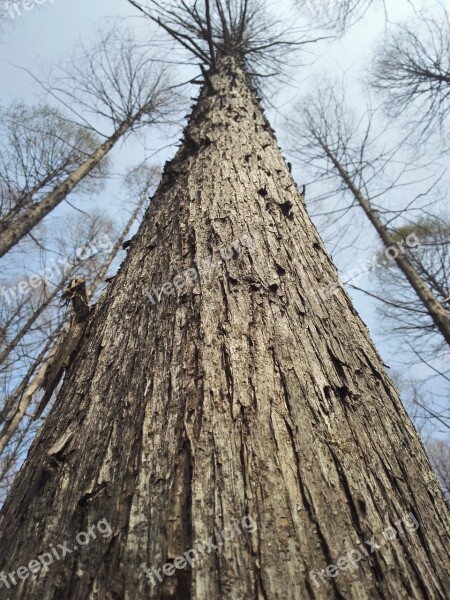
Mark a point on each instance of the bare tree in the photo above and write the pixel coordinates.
(438, 451)
(330, 139)
(39, 149)
(228, 396)
(339, 15)
(241, 25)
(412, 70)
(401, 309)
(116, 79)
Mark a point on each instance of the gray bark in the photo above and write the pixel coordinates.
(247, 393)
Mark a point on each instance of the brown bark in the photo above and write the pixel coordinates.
(244, 394)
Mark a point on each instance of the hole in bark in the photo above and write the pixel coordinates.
(262, 192)
(316, 246)
(232, 280)
(247, 158)
(343, 392)
(273, 287)
(362, 507)
(286, 209)
(280, 270)
(254, 287)
(327, 392)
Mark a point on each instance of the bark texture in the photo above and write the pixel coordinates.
(247, 393)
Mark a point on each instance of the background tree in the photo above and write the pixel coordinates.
(412, 71)
(402, 310)
(39, 148)
(117, 80)
(235, 391)
(339, 15)
(330, 139)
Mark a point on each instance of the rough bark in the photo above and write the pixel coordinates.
(248, 393)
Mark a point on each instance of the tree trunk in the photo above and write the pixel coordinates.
(239, 397)
(439, 315)
(36, 212)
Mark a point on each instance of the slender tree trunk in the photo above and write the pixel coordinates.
(22, 396)
(36, 212)
(10, 346)
(26, 200)
(244, 393)
(440, 316)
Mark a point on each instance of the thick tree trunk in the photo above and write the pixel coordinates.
(244, 394)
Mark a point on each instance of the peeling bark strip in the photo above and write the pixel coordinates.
(246, 395)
